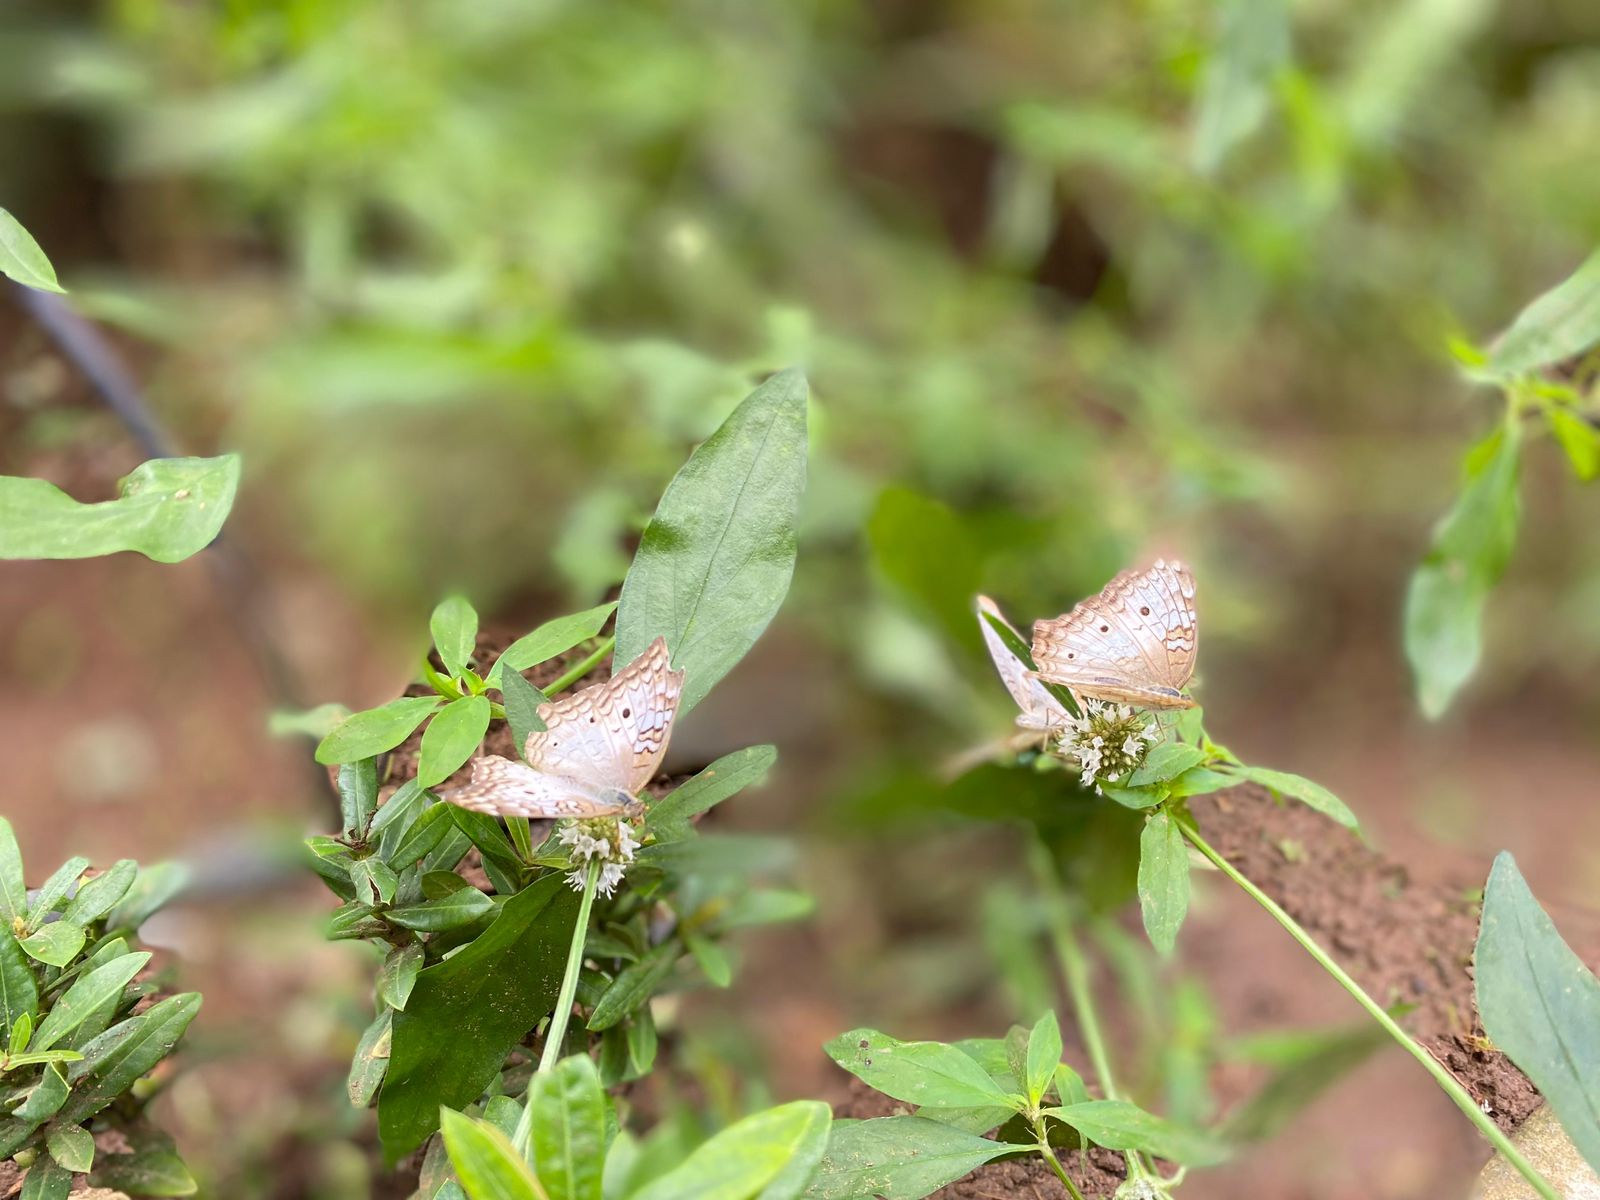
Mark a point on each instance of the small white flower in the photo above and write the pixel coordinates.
(1108, 741)
(593, 838)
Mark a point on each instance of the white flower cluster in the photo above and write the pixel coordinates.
(1108, 741)
(609, 839)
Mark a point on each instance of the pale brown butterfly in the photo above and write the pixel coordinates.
(1134, 643)
(599, 747)
(1040, 711)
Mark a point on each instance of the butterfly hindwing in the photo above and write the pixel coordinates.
(504, 788)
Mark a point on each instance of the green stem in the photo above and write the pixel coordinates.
(1055, 1163)
(1452, 1087)
(556, 1034)
(583, 668)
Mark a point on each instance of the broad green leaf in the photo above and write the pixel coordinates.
(454, 626)
(486, 834)
(1044, 1052)
(460, 907)
(71, 1146)
(1312, 795)
(924, 549)
(1069, 1085)
(715, 561)
(47, 1096)
(13, 1134)
(86, 996)
(521, 700)
(371, 1059)
(897, 1158)
(47, 1180)
(152, 887)
(918, 1072)
(398, 975)
(1120, 1125)
(363, 734)
(1252, 47)
(712, 959)
(1579, 439)
(467, 1012)
(768, 1155)
(19, 991)
(166, 509)
(373, 879)
(396, 814)
(633, 986)
(1444, 604)
(152, 1172)
(643, 1042)
(1540, 1004)
(13, 885)
(21, 258)
(1561, 323)
(503, 1113)
(488, 1166)
(569, 1129)
(56, 943)
(550, 639)
(730, 774)
(1166, 760)
(1135, 798)
(100, 895)
(426, 832)
(358, 794)
(115, 1060)
(1163, 880)
(451, 738)
(53, 888)
(1200, 781)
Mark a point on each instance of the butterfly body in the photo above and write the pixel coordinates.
(1134, 643)
(598, 749)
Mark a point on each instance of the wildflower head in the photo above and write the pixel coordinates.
(609, 839)
(1108, 741)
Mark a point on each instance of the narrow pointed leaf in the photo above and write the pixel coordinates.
(917, 1072)
(550, 639)
(897, 1158)
(1163, 880)
(488, 1167)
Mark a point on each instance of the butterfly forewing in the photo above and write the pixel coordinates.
(1135, 642)
(504, 788)
(614, 734)
(1040, 710)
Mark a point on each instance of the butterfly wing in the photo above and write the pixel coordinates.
(1135, 642)
(504, 788)
(1040, 710)
(614, 734)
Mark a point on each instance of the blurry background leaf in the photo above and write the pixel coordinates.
(1561, 323)
(925, 551)
(1252, 45)
(21, 258)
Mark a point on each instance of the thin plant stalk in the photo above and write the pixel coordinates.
(583, 668)
(1451, 1085)
(556, 1034)
(1055, 1163)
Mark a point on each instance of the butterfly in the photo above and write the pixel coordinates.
(1135, 642)
(1041, 711)
(599, 747)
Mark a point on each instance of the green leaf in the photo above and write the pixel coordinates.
(21, 1033)
(396, 814)
(71, 1146)
(918, 1072)
(1312, 795)
(363, 734)
(101, 894)
(1236, 92)
(1163, 880)
(1166, 760)
(85, 997)
(19, 991)
(57, 943)
(712, 959)
(167, 509)
(152, 887)
(1200, 781)
(21, 258)
(460, 907)
(522, 701)
(358, 794)
(1044, 1053)
(1444, 604)
(1540, 1004)
(47, 1096)
(1069, 1085)
(1579, 439)
(371, 1059)
(1120, 1125)
(550, 639)
(467, 1012)
(451, 738)
(633, 986)
(373, 879)
(426, 832)
(115, 1060)
(13, 885)
(643, 1042)
(152, 1172)
(569, 1129)
(1561, 323)
(1309, 1063)
(897, 1158)
(730, 774)
(47, 1180)
(1135, 798)
(398, 975)
(454, 626)
(715, 561)
(52, 889)
(769, 1155)
(488, 1166)
(924, 549)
